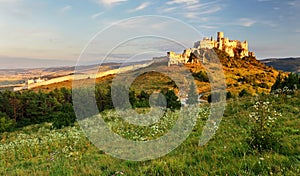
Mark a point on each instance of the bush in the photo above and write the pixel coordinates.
(264, 85)
(61, 119)
(172, 100)
(201, 76)
(291, 82)
(6, 124)
(229, 95)
(243, 93)
(262, 136)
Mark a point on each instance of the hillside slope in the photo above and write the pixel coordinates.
(246, 73)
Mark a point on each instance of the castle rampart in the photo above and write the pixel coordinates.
(234, 48)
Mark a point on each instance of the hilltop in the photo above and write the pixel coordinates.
(241, 73)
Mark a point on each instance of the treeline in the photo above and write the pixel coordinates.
(19, 109)
(291, 82)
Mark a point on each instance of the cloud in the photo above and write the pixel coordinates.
(190, 9)
(96, 15)
(211, 10)
(65, 8)
(199, 13)
(140, 7)
(109, 2)
(207, 27)
(295, 3)
(169, 9)
(182, 1)
(246, 22)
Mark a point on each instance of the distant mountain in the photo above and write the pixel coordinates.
(291, 64)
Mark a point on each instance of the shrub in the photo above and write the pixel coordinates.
(243, 93)
(172, 100)
(201, 76)
(264, 85)
(229, 95)
(262, 135)
(6, 124)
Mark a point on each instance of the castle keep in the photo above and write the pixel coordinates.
(234, 48)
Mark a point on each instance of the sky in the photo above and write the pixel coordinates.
(46, 33)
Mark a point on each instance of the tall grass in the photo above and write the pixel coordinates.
(40, 150)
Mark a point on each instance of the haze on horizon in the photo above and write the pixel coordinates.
(54, 33)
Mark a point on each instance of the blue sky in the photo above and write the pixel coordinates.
(59, 30)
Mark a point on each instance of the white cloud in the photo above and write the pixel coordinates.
(96, 15)
(169, 9)
(140, 7)
(182, 1)
(207, 27)
(66, 8)
(190, 9)
(246, 22)
(211, 10)
(198, 14)
(109, 2)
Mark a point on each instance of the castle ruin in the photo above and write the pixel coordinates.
(234, 48)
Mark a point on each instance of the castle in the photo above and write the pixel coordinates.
(234, 48)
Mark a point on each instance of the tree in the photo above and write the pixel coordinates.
(6, 124)
(172, 100)
(132, 98)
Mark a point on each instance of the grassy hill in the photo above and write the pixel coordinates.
(247, 73)
(40, 150)
(258, 135)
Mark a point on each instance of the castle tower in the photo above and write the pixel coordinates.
(220, 40)
(220, 36)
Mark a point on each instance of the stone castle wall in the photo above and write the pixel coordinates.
(234, 48)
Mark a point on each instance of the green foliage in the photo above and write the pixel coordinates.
(244, 92)
(36, 149)
(229, 95)
(201, 76)
(28, 107)
(41, 150)
(263, 85)
(143, 100)
(292, 82)
(172, 100)
(263, 116)
(6, 124)
(64, 117)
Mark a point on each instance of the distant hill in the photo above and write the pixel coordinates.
(291, 64)
(247, 73)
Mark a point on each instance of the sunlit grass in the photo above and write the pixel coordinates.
(40, 150)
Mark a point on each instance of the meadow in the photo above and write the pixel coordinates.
(246, 143)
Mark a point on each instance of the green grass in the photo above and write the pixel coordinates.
(38, 150)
